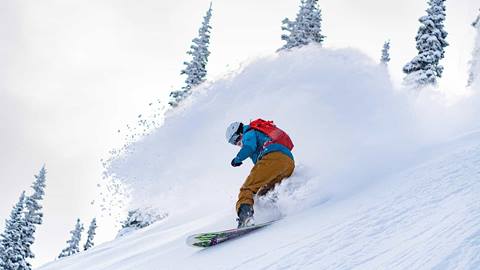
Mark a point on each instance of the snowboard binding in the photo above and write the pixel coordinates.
(245, 216)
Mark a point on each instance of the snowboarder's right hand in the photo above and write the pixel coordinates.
(235, 163)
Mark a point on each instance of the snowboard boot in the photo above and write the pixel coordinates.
(245, 216)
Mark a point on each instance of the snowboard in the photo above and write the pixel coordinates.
(214, 238)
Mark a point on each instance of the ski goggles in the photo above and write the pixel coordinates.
(234, 139)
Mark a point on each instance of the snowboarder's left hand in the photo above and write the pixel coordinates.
(235, 163)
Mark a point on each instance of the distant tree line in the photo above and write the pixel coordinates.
(422, 71)
(19, 233)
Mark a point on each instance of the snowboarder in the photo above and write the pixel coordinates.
(270, 150)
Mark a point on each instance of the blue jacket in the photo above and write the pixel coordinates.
(252, 146)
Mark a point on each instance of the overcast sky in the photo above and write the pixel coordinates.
(74, 72)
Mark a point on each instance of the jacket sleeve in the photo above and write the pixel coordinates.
(249, 144)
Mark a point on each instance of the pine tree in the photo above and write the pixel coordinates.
(140, 218)
(33, 214)
(195, 69)
(425, 69)
(306, 28)
(475, 62)
(385, 53)
(90, 235)
(74, 242)
(2, 249)
(13, 256)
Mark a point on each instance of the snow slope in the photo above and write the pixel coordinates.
(379, 184)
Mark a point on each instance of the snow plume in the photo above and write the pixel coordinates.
(349, 125)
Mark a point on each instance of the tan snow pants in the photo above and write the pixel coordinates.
(270, 170)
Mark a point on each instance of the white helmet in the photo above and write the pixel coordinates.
(233, 132)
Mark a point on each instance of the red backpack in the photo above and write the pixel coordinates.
(277, 135)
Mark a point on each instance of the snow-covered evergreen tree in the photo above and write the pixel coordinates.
(13, 256)
(1, 251)
(385, 53)
(425, 69)
(195, 70)
(140, 218)
(307, 27)
(74, 242)
(90, 234)
(33, 214)
(475, 62)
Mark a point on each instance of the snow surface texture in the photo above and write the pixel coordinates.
(381, 180)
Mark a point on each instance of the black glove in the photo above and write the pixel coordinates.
(235, 163)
